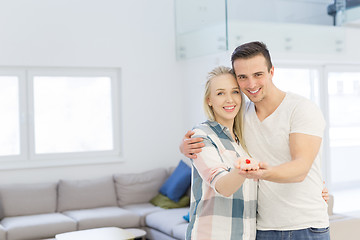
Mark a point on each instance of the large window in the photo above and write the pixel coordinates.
(303, 81)
(52, 114)
(344, 127)
(344, 136)
(9, 121)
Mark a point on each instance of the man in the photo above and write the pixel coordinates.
(284, 131)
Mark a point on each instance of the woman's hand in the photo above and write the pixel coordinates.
(246, 164)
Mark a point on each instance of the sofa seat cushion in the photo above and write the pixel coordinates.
(166, 221)
(37, 226)
(27, 199)
(154, 234)
(2, 232)
(104, 217)
(143, 209)
(180, 230)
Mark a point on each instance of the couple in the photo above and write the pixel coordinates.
(282, 131)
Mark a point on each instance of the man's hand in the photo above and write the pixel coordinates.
(190, 146)
(325, 193)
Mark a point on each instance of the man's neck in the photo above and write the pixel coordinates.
(269, 104)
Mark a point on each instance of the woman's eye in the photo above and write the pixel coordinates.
(219, 93)
(236, 92)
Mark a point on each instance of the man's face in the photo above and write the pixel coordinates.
(253, 77)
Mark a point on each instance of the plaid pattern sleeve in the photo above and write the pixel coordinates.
(213, 216)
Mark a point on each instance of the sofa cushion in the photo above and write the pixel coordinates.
(139, 187)
(2, 232)
(178, 182)
(179, 230)
(37, 226)
(165, 202)
(104, 217)
(85, 194)
(166, 221)
(187, 217)
(142, 209)
(154, 234)
(27, 199)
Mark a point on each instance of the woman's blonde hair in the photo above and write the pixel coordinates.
(239, 118)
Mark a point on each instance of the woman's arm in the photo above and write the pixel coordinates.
(214, 171)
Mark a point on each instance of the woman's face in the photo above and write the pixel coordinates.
(224, 98)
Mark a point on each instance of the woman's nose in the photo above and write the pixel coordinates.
(229, 98)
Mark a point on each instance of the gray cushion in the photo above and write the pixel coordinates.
(165, 221)
(2, 233)
(27, 199)
(104, 217)
(142, 209)
(157, 235)
(84, 194)
(139, 187)
(179, 230)
(37, 226)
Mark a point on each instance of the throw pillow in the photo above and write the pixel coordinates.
(133, 188)
(87, 193)
(27, 199)
(165, 202)
(178, 182)
(187, 217)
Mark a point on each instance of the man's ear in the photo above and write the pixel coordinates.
(272, 71)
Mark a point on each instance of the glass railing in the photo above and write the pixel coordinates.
(201, 27)
(206, 27)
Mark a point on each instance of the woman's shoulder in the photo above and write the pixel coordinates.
(202, 128)
(206, 128)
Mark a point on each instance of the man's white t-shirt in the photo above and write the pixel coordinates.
(287, 206)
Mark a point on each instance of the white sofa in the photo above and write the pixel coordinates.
(42, 210)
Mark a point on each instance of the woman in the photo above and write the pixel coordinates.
(223, 204)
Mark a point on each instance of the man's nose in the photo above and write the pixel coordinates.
(251, 83)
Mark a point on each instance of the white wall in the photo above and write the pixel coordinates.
(161, 98)
(136, 36)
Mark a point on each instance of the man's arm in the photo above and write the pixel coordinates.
(303, 150)
(191, 146)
